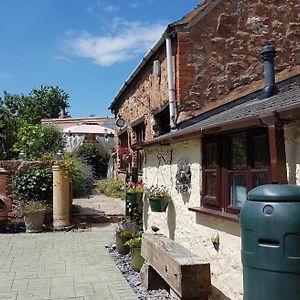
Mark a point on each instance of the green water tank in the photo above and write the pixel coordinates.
(270, 232)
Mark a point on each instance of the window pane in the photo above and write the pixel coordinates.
(238, 152)
(260, 151)
(211, 184)
(259, 178)
(238, 189)
(211, 156)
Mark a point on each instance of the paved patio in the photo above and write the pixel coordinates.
(72, 265)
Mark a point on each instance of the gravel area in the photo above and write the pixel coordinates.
(123, 263)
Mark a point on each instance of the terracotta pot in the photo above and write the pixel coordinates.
(158, 204)
(134, 197)
(120, 245)
(136, 259)
(34, 221)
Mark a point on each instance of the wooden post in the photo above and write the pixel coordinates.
(277, 154)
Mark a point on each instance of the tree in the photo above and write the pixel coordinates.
(38, 141)
(44, 103)
(7, 133)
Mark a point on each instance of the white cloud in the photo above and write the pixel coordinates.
(136, 4)
(131, 39)
(110, 8)
(5, 76)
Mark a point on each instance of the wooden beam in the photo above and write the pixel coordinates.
(277, 154)
(185, 272)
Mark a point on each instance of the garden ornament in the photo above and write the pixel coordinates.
(183, 176)
(154, 228)
(216, 240)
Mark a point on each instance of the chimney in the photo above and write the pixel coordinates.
(268, 54)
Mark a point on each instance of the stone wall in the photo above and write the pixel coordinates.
(190, 229)
(194, 230)
(220, 57)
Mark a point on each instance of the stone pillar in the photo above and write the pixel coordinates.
(61, 198)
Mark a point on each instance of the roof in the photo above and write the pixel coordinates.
(106, 121)
(284, 106)
(199, 11)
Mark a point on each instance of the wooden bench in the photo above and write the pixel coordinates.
(187, 275)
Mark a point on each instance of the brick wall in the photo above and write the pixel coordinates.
(220, 56)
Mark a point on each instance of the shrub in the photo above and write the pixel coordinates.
(81, 174)
(83, 181)
(112, 188)
(34, 184)
(88, 152)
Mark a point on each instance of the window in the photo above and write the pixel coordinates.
(123, 149)
(163, 121)
(140, 137)
(233, 164)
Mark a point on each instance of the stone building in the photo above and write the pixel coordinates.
(199, 98)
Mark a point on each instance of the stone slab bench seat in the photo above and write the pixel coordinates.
(186, 273)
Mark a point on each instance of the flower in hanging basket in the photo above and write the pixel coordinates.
(135, 187)
(156, 191)
(159, 198)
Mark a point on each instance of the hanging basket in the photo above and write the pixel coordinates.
(158, 204)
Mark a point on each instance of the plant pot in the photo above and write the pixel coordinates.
(136, 259)
(134, 197)
(120, 245)
(34, 220)
(158, 204)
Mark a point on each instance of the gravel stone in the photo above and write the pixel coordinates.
(134, 279)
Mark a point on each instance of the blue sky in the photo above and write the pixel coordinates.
(86, 47)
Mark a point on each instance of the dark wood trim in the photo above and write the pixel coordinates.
(216, 213)
(137, 122)
(277, 154)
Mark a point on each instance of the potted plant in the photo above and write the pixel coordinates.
(134, 192)
(124, 232)
(159, 198)
(34, 215)
(135, 249)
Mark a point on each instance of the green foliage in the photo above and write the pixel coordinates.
(34, 184)
(42, 103)
(135, 241)
(88, 152)
(7, 133)
(80, 173)
(126, 229)
(38, 141)
(112, 188)
(31, 206)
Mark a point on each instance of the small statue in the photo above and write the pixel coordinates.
(183, 177)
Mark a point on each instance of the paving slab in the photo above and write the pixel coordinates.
(61, 265)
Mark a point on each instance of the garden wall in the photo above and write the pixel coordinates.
(13, 166)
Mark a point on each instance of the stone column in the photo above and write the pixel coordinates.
(61, 198)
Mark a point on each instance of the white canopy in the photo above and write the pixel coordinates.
(89, 128)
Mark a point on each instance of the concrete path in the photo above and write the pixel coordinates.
(73, 265)
(100, 204)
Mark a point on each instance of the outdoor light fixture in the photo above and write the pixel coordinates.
(120, 122)
(59, 155)
(22, 155)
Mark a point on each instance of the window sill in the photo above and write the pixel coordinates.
(216, 213)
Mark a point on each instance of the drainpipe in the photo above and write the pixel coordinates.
(268, 54)
(171, 89)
